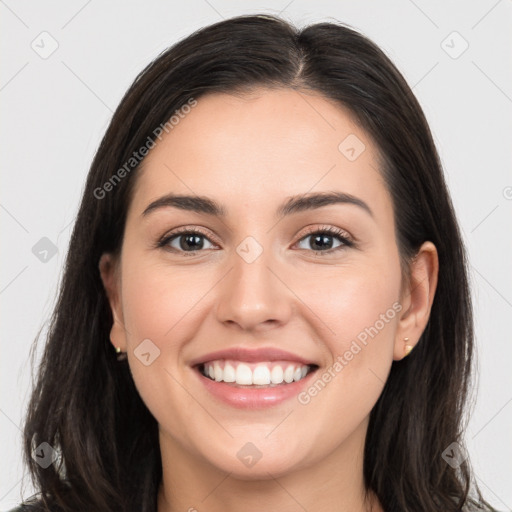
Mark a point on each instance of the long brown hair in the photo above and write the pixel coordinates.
(84, 402)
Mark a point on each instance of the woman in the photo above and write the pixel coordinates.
(265, 302)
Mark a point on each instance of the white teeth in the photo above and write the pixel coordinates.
(288, 374)
(229, 373)
(261, 374)
(277, 375)
(217, 372)
(243, 374)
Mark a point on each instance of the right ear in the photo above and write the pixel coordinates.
(110, 276)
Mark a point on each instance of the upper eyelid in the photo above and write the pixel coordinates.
(334, 231)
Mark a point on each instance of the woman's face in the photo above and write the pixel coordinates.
(282, 283)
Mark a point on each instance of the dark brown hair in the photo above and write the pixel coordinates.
(85, 404)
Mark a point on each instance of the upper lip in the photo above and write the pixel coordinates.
(251, 355)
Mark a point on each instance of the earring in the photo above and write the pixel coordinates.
(408, 348)
(120, 355)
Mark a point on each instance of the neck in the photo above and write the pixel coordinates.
(332, 484)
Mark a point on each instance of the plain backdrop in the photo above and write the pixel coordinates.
(65, 66)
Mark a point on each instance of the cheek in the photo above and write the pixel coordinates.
(353, 303)
(158, 305)
(361, 310)
(158, 300)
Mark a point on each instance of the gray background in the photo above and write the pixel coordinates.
(55, 109)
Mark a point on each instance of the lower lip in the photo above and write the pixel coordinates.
(254, 398)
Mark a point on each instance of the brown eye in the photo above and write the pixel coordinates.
(324, 240)
(187, 240)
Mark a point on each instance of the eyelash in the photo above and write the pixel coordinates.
(336, 232)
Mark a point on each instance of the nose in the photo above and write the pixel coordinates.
(253, 296)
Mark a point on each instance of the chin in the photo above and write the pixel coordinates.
(257, 461)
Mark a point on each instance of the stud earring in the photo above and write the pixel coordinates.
(120, 355)
(408, 348)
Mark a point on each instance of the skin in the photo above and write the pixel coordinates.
(250, 153)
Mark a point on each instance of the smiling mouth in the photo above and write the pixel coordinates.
(255, 375)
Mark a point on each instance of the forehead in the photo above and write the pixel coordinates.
(261, 146)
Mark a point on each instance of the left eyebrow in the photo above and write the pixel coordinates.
(313, 201)
(294, 204)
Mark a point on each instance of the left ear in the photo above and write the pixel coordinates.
(109, 272)
(417, 298)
